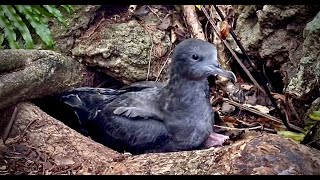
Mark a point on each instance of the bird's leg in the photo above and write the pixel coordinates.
(215, 139)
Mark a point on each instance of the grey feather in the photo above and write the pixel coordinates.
(152, 116)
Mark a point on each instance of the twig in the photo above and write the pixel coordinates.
(313, 141)
(10, 124)
(293, 109)
(93, 28)
(165, 63)
(313, 129)
(239, 129)
(231, 50)
(238, 42)
(154, 13)
(24, 132)
(69, 169)
(266, 89)
(259, 113)
(150, 56)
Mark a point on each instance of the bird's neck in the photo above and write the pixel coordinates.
(179, 87)
(187, 110)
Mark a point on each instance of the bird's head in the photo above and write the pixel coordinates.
(197, 59)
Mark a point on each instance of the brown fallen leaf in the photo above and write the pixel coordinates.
(166, 23)
(247, 86)
(63, 161)
(229, 119)
(279, 96)
(224, 29)
(262, 109)
(173, 36)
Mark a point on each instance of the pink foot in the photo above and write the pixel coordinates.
(215, 139)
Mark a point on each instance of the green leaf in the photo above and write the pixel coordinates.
(42, 11)
(37, 22)
(68, 8)
(53, 10)
(37, 14)
(16, 20)
(1, 39)
(315, 115)
(289, 134)
(9, 33)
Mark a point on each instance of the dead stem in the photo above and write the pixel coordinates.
(165, 63)
(10, 124)
(150, 56)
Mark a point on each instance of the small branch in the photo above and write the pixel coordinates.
(239, 129)
(69, 169)
(191, 16)
(266, 89)
(154, 13)
(260, 113)
(10, 124)
(231, 50)
(165, 63)
(17, 139)
(150, 56)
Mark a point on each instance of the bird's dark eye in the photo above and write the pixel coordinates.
(195, 56)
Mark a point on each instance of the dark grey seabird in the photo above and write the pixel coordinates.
(150, 116)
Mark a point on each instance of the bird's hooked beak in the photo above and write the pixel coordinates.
(214, 70)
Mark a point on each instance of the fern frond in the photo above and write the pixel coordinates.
(16, 20)
(54, 11)
(42, 11)
(68, 8)
(1, 39)
(37, 22)
(9, 33)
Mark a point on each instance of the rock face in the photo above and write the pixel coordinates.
(307, 78)
(279, 35)
(124, 49)
(287, 37)
(121, 49)
(77, 23)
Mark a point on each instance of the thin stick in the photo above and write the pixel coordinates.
(23, 133)
(150, 56)
(239, 129)
(265, 90)
(165, 63)
(154, 13)
(231, 50)
(259, 113)
(69, 169)
(10, 124)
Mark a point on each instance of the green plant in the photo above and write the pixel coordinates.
(18, 20)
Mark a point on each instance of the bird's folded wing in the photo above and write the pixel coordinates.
(138, 105)
(137, 135)
(137, 86)
(137, 112)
